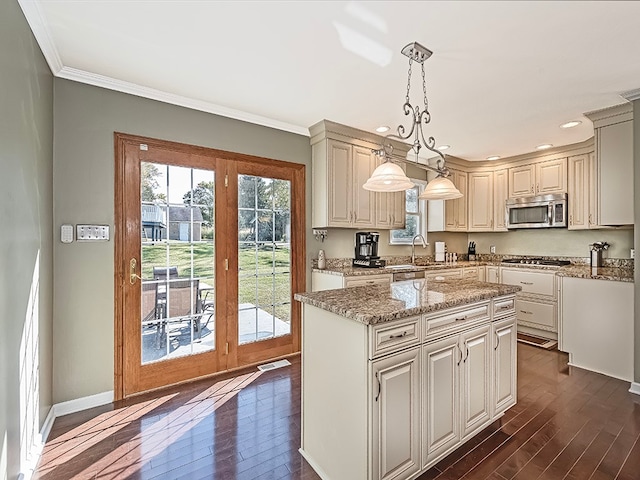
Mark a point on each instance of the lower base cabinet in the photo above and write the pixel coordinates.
(395, 413)
(418, 403)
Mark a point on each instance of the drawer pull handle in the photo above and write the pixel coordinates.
(460, 350)
(504, 307)
(525, 312)
(400, 335)
(526, 283)
(461, 318)
(379, 387)
(497, 341)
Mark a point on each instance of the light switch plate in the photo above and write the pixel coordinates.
(92, 233)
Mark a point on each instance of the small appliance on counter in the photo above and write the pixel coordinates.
(441, 250)
(472, 251)
(366, 250)
(596, 253)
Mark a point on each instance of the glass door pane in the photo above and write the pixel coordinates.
(178, 261)
(264, 258)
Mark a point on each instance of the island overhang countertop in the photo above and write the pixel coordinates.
(384, 303)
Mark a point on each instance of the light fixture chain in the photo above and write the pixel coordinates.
(424, 90)
(409, 80)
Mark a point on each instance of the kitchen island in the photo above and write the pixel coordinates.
(395, 377)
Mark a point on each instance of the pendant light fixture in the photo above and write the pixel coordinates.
(389, 177)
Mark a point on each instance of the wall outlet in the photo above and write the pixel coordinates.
(492, 249)
(633, 253)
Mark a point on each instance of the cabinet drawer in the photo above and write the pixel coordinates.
(536, 315)
(535, 283)
(386, 338)
(367, 280)
(503, 307)
(456, 320)
(456, 272)
(470, 272)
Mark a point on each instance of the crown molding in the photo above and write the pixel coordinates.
(42, 34)
(631, 95)
(109, 83)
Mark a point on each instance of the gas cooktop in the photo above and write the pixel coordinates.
(536, 261)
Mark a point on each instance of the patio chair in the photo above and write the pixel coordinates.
(180, 303)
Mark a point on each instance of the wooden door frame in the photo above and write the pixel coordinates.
(123, 142)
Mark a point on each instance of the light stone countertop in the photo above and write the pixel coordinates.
(618, 274)
(383, 303)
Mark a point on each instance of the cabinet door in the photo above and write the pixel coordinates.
(504, 365)
(475, 381)
(593, 217)
(339, 184)
(441, 397)
(493, 274)
(578, 192)
(500, 195)
(395, 410)
(461, 203)
(364, 163)
(522, 181)
(398, 208)
(480, 201)
(615, 161)
(551, 176)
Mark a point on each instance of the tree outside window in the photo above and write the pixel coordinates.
(415, 222)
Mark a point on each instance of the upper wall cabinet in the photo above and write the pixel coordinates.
(500, 195)
(538, 178)
(582, 192)
(614, 159)
(456, 210)
(341, 163)
(481, 202)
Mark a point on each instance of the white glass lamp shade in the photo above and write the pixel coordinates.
(440, 188)
(388, 177)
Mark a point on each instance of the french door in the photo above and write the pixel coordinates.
(209, 252)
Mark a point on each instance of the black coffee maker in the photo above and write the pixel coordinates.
(366, 250)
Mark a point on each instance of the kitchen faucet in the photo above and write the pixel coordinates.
(413, 247)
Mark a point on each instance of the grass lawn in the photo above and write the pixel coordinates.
(263, 277)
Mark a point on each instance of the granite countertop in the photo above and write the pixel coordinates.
(619, 274)
(383, 303)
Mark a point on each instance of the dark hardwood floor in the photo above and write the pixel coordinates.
(568, 424)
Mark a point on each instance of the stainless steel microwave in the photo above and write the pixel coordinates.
(542, 211)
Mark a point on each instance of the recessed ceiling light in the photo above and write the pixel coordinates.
(494, 157)
(383, 129)
(571, 124)
(444, 147)
(544, 146)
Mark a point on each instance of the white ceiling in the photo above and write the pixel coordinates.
(503, 76)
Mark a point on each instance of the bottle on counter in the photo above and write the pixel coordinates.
(322, 261)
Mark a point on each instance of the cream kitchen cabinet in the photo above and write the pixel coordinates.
(456, 210)
(539, 178)
(441, 274)
(481, 205)
(500, 196)
(582, 192)
(390, 210)
(329, 281)
(395, 413)
(613, 129)
(504, 364)
(342, 161)
(492, 274)
(536, 304)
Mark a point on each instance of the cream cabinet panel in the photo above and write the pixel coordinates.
(391, 208)
(456, 210)
(327, 281)
(475, 379)
(536, 314)
(493, 274)
(340, 173)
(551, 176)
(522, 181)
(533, 282)
(449, 273)
(364, 163)
(500, 196)
(504, 365)
(480, 201)
(615, 161)
(594, 216)
(441, 397)
(578, 192)
(395, 416)
(472, 273)
(367, 280)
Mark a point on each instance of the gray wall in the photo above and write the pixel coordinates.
(86, 118)
(26, 270)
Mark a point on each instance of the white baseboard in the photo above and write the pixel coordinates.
(58, 410)
(321, 473)
(84, 403)
(635, 388)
